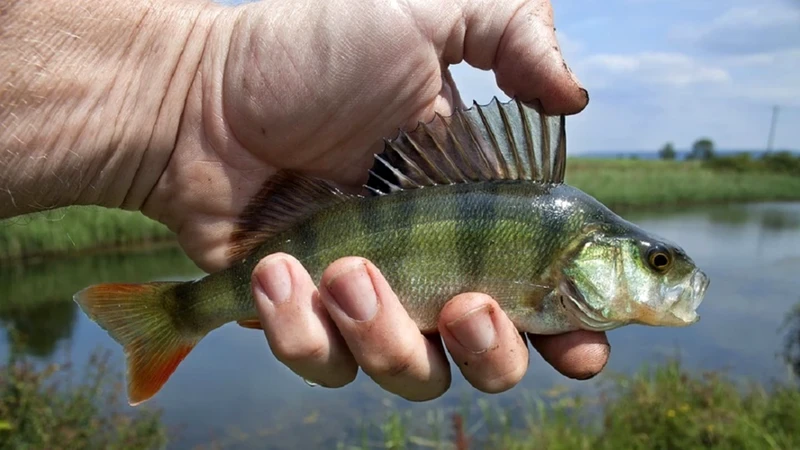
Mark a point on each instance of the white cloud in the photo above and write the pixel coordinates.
(660, 68)
(756, 17)
(744, 30)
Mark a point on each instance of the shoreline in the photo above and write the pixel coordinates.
(624, 185)
(161, 243)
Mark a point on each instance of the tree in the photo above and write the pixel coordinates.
(702, 149)
(667, 151)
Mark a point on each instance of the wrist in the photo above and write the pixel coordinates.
(92, 97)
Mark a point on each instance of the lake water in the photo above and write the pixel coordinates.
(230, 387)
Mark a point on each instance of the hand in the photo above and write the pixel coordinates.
(272, 94)
(183, 109)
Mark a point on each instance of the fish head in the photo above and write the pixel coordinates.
(621, 274)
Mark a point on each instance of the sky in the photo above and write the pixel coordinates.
(662, 71)
(673, 71)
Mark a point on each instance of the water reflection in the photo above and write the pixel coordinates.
(36, 301)
(38, 329)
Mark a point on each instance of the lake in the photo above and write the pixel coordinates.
(230, 388)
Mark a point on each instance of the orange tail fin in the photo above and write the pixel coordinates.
(135, 315)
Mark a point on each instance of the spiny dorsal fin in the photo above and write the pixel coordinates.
(285, 200)
(499, 141)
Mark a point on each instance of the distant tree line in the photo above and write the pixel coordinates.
(703, 150)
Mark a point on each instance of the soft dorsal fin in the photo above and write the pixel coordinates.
(285, 199)
(499, 141)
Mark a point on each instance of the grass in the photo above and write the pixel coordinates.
(618, 183)
(45, 407)
(624, 184)
(665, 407)
(77, 229)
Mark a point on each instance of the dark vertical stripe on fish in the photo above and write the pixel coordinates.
(306, 239)
(477, 217)
(395, 217)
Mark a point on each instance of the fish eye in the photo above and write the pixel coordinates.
(659, 258)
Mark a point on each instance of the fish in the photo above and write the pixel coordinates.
(471, 202)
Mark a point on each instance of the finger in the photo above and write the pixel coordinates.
(578, 354)
(517, 40)
(448, 98)
(483, 342)
(297, 326)
(384, 340)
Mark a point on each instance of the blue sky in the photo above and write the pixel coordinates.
(675, 70)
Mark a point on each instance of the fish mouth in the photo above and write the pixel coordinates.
(684, 311)
(579, 311)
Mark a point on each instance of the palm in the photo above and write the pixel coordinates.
(267, 98)
(295, 120)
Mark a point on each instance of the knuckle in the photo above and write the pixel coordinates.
(392, 365)
(503, 381)
(299, 351)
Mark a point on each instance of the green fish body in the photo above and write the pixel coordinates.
(470, 203)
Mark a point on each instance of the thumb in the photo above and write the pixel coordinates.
(517, 40)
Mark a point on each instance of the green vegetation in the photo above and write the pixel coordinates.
(78, 229)
(702, 149)
(43, 407)
(658, 408)
(667, 152)
(620, 183)
(784, 163)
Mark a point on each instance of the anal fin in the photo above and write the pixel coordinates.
(252, 324)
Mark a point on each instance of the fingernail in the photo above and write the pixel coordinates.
(274, 281)
(353, 291)
(475, 330)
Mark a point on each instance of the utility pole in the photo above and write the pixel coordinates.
(772, 127)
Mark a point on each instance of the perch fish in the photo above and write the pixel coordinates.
(473, 202)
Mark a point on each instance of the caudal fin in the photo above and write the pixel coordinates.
(136, 316)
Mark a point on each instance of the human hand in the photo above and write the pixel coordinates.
(272, 95)
(183, 109)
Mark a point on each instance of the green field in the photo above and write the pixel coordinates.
(621, 184)
(625, 183)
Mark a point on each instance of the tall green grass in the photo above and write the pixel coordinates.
(59, 407)
(650, 184)
(617, 183)
(77, 229)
